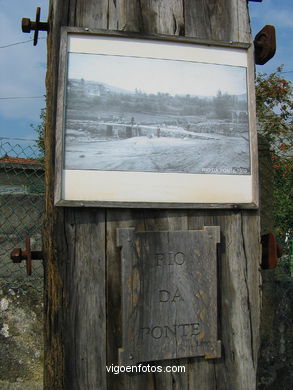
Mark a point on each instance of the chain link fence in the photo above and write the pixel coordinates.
(21, 296)
(21, 211)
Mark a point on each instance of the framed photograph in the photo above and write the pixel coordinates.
(150, 122)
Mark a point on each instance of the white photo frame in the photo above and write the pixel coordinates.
(154, 122)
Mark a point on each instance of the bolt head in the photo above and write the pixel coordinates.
(16, 255)
(26, 25)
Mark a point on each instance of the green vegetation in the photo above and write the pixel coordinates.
(274, 105)
(40, 130)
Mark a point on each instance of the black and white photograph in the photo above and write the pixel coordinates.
(140, 114)
(154, 123)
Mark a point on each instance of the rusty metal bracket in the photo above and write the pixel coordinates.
(265, 45)
(27, 25)
(17, 255)
(271, 251)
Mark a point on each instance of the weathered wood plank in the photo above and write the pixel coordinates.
(71, 362)
(141, 220)
(239, 282)
(233, 25)
(208, 19)
(59, 162)
(91, 13)
(251, 224)
(169, 294)
(148, 16)
(240, 30)
(253, 125)
(171, 220)
(116, 218)
(236, 306)
(54, 351)
(202, 373)
(85, 300)
(159, 37)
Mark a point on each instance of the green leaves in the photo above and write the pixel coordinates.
(274, 108)
(40, 130)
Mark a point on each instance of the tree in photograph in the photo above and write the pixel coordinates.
(222, 105)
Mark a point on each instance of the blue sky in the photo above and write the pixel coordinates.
(22, 69)
(23, 66)
(278, 13)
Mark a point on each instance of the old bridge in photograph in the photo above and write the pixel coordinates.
(148, 283)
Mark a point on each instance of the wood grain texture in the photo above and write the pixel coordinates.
(59, 157)
(253, 126)
(91, 13)
(208, 19)
(82, 260)
(124, 218)
(84, 299)
(171, 220)
(169, 294)
(54, 348)
(239, 300)
(159, 37)
(147, 16)
(236, 305)
(72, 265)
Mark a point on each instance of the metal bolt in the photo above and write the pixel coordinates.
(27, 25)
(17, 255)
(265, 45)
(271, 251)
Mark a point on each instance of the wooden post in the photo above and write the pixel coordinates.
(83, 284)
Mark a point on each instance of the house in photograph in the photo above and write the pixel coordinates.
(149, 122)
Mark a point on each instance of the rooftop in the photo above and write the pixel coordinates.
(19, 160)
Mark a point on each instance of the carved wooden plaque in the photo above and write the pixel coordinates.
(169, 294)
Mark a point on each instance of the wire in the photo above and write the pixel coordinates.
(22, 97)
(19, 43)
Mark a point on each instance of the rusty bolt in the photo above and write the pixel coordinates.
(17, 255)
(27, 25)
(271, 251)
(265, 45)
